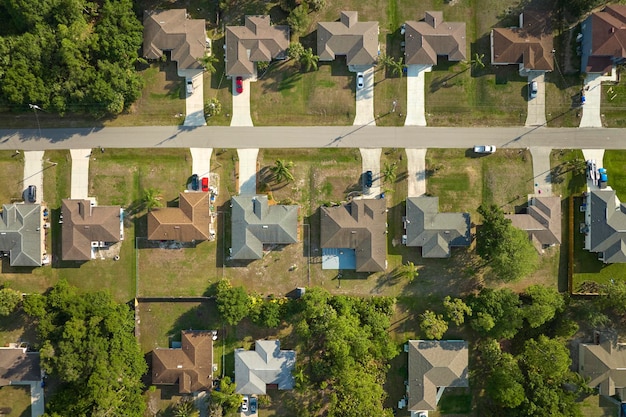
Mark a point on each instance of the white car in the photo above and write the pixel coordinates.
(403, 29)
(484, 149)
(189, 87)
(244, 404)
(359, 80)
(532, 89)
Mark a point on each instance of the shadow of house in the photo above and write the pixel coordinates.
(190, 365)
(86, 227)
(530, 45)
(264, 367)
(254, 223)
(256, 41)
(541, 220)
(432, 37)
(433, 366)
(171, 30)
(603, 364)
(436, 233)
(603, 40)
(21, 234)
(187, 223)
(358, 41)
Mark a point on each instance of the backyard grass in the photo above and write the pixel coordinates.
(15, 401)
(12, 168)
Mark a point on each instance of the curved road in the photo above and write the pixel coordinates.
(311, 137)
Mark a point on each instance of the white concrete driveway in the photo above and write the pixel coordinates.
(593, 97)
(537, 106)
(241, 104)
(415, 113)
(598, 156)
(370, 161)
(541, 170)
(33, 173)
(194, 101)
(365, 99)
(247, 170)
(80, 173)
(201, 161)
(416, 167)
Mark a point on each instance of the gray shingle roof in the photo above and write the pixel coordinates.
(255, 222)
(604, 364)
(256, 41)
(608, 225)
(435, 364)
(266, 364)
(435, 232)
(542, 220)
(358, 41)
(433, 37)
(170, 30)
(21, 233)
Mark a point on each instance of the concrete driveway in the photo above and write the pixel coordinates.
(598, 156)
(541, 170)
(33, 172)
(416, 167)
(194, 101)
(247, 170)
(415, 113)
(201, 161)
(593, 96)
(370, 161)
(365, 99)
(241, 104)
(80, 173)
(537, 106)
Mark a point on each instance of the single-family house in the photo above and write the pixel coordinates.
(433, 37)
(435, 365)
(542, 221)
(530, 45)
(604, 39)
(22, 234)
(190, 365)
(255, 222)
(18, 366)
(603, 363)
(436, 233)
(172, 31)
(605, 226)
(265, 367)
(358, 41)
(87, 227)
(256, 41)
(189, 222)
(354, 235)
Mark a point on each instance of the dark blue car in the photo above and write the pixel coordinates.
(195, 182)
(253, 404)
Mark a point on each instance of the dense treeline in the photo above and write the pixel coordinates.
(69, 55)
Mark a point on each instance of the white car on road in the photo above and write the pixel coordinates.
(484, 149)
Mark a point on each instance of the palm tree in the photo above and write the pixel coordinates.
(397, 67)
(477, 61)
(389, 172)
(385, 60)
(208, 62)
(186, 408)
(309, 60)
(409, 271)
(281, 171)
(152, 198)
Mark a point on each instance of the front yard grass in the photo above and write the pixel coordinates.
(12, 168)
(613, 104)
(15, 401)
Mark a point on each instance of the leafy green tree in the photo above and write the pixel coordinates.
(299, 19)
(233, 303)
(295, 51)
(213, 107)
(496, 313)
(282, 171)
(186, 408)
(433, 325)
(545, 303)
(505, 384)
(390, 172)
(226, 398)
(456, 310)
(309, 60)
(397, 67)
(9, 300)
(152, 198)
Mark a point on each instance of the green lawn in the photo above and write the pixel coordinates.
(15, 401)
(614, 104)
(12, 166)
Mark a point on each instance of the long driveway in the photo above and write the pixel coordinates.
(415, 113)
(593, 97)
(312, 137)
(541, 170)
(365, 100)
(416, 164)
(537, 106)
(33, 172)
(241, 104)
(247, 170)
(79, 188)
(194, 102)
(370, 161)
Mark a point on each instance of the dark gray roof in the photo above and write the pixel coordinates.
(21, 233)
(255, 222)
(256, 41)
(433, 37)
(542, 220)
(608, 226)
(266, 364)
(358, 41)
(435, 364)
(435, 232)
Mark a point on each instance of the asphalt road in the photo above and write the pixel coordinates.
(311, 137)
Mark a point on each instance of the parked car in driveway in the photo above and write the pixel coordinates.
(532, 89)
(32, 193)
(239, 83)
(205, 184)
(189, 86)
(195, 183)
(244, 403)
(253, 403)
(484, 149)
(359, 80)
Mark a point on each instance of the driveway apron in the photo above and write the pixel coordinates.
(416, 167)
(80, 173)
(194, 101)
(370, 161)
(593, 96)
(415, 112)
(247, 171)
(201, 161)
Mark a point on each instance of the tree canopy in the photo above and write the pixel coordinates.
(233, 303)
(496, 313)
(88, 343)
(69, 55)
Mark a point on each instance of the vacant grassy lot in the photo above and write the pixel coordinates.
(15, 401)
(12, 168)
(614, 104)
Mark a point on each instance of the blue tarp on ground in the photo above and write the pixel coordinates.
(338, 258)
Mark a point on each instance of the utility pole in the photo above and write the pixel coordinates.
(35, 108)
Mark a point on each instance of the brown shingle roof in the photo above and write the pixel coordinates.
(427, 39)
(256, 41)
(358, 225)
(608, 33)
(186, 223)
(18, 365)
(83, 224)
(191, 366)
(358, 41)
(170, 30)
(542, 220)
(530, 45)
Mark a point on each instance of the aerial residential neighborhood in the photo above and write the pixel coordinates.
(312, 208)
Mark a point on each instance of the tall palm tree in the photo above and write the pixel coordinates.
(282, 171)
(152, 198)
(397, 67)
(390, 172)
(409, 271)
(309, 60)
(186, 408)
(209, 62)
